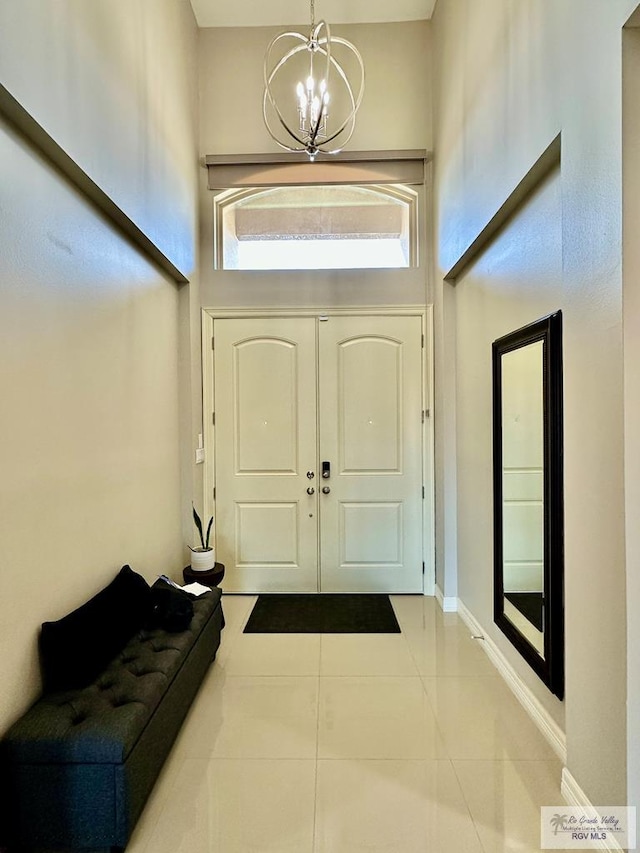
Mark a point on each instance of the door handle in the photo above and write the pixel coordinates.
(310, 475)
(325, 490)
(311, 490)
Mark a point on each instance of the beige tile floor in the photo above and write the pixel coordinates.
(346, 743)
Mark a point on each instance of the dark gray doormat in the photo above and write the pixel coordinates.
(322, 613)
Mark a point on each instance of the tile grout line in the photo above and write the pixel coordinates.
(315, 790)
(468, 807)
(408, 645)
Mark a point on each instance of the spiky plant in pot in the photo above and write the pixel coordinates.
(203, 558)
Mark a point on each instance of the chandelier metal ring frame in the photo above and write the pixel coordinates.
(316, 43)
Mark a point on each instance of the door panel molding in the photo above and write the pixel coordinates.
(378, 548)
(279, 515)
(262, 419)
(353, 431)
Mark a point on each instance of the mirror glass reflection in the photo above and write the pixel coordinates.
(523, 491)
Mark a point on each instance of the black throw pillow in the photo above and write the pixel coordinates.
(75, 649)
(171, 609)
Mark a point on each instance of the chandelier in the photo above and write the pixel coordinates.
(303, 121)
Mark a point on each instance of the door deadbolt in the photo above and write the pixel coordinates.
(326, 470)
(325, 490)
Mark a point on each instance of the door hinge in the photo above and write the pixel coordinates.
(423, 493)
(213, 343)
(214, 493)
(423, 567)
(213, 418)
(422, 344)
(426, 413)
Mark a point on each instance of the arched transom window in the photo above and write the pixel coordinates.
(316, 227)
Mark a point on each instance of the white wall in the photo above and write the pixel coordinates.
(509, 76)
(516, 280)
(89, 328)
(395, 114)
(111, 81)
(395, 111)
(631, 302)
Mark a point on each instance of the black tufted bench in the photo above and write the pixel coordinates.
(81, 763)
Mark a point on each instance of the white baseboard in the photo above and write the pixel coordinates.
(538, 713)
(572, 792)
(447, 604)
(575, 796)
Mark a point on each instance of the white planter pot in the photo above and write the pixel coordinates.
(202, 560)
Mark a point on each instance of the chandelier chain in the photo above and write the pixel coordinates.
(313, 14)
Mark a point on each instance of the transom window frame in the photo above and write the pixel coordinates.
(396, 192)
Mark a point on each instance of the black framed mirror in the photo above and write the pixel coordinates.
(528, 495)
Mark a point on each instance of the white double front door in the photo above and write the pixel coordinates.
(318, 453)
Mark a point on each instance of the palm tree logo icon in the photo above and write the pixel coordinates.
(557, 822)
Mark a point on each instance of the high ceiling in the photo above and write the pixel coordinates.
(264, 13)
